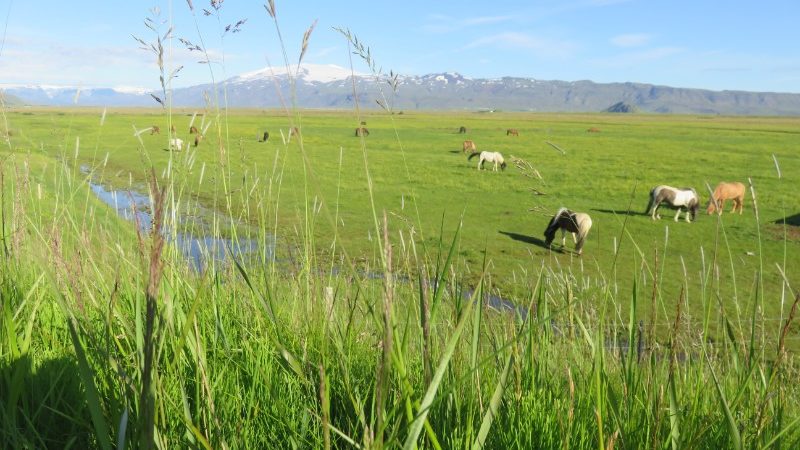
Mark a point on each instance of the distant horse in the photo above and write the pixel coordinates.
(176, 144)
(462, 130)
(294, 131)
(193, 130)
(492, 157)
(265, 137)
(677, 198)
(725, 191)
(197, 139)
(362, 131)
(469, 146)
(593, 130)
(576, 223)
(172, 129)
(155, 130)
(363, 122)
(512, 132)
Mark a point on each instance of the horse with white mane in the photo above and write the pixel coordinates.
(492, 157)
(576, 223)
(677, 198)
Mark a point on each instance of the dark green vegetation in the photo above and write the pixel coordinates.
(362, 332)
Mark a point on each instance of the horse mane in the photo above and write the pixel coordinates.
(473, 155)
(554, 221)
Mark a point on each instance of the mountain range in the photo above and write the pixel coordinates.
(330, 86)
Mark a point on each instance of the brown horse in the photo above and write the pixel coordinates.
(462, 130)
(362, 131)
(294, 131)
(512, 132)
(593, 130)
(193, 130)
(197, 139)
(725, 191)
(172, 129)
(155, 130)
(265, 137)
(469, 146)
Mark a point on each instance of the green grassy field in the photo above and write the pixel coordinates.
(361, 334)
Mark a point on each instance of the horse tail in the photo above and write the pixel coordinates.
(474, 154)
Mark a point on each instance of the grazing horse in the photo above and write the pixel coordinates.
(512, 132)
(469, 145)
(462, 130)
(576, 223)
(725, 191)
(197, 139)
(593, 130)
(176, 144)
(363, 122)
(362, 131)
(172, 129)
(265, 137)
(193, 130)
(677, 198)
(155, 130)
(294, 131)
(492, 157)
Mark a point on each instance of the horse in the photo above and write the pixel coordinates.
(469, 145)
(294, 131)
(197, 139)
(362, 131)
(193, 130)
(576, 223)
(176, 144)
(265, 137)
(363, 122)
(593, 130)
(725, 191)
(462, 130)
(155, 130)
(685, 197)
(512, 132)
(172, 129)
(492, 157)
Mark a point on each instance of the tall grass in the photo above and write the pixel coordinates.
(108, 338)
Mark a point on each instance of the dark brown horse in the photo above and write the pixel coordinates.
(512, 132)
(197, 139)
(362, 131)
(462, 130)
(265, 138)
(155, 130)
(193, 130)
(593, 130)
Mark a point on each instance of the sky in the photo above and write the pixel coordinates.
(709, 44)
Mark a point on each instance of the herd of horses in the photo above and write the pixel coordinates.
(683, 200)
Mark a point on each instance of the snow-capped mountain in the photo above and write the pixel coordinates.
(331, 86)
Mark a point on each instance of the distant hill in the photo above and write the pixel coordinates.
(621, 107)
(10, 100)
(329, 86)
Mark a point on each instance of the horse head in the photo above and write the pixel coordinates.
(694, 205)
(503, 165)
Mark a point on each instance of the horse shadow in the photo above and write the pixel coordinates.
(525, 238)
(455, 151)
(621, 213)
(790, 220)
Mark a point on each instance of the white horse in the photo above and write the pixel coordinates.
(677, 198)
(492, 157)
(576, 223)
(176, 144)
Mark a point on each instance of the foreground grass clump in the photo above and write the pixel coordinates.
(110, 337)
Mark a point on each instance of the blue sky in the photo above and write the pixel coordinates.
(712, 44)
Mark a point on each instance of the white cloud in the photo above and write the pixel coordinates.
(540, 46)
(633, 58)
(631, 40)
(440, 24)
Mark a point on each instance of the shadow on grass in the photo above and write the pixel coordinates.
(621, 213)
(44, 406)
(455, 151)
(790, 220)
(525, 238)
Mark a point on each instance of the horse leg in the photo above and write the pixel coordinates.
(653, 214)
(678, 214)
(563, 238)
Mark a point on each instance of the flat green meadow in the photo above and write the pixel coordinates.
(366, 314)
